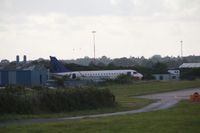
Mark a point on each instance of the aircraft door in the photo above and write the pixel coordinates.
(128, 73)
(73, 76)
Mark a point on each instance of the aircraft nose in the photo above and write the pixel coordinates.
(141, 76)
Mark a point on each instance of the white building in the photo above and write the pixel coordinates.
(170, 75)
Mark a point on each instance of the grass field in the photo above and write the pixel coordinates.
(122, 94)
(183, 118)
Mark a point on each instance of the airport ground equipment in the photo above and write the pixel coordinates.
(195, 97)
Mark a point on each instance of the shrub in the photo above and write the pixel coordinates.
(121, 79)
(60, 100)
(75, 99)
(15, 100)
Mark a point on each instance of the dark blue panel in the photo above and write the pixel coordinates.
(4, 78)
(23, 78)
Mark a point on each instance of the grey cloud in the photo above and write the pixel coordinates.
(18, 12)
(103, 7)
(138, 7)
(71, 7)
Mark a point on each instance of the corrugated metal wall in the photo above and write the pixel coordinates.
(4, 78)
(23, 77)
(0, 78)
(39, 78)
(12, 77)
(162, 76)
(174, 77)
(36, 78)
(166, 77)
(44, 78)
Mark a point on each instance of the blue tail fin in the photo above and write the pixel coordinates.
(56, 66)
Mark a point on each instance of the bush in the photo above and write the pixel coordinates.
(122, 79)
(15, 100)
(60, 100)
(75, 99)
(190, 74)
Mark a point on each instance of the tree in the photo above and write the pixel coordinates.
(159, 68)
(156, 58)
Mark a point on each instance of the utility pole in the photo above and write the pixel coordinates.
(93, 32)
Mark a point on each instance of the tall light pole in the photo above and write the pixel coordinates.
(93, 32)
(181, 49)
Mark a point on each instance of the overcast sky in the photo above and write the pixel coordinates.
(124, 28)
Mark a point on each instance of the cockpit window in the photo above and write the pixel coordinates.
(134, 72)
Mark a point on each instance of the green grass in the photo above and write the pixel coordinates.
(183, 118)
(123, 95)
(152, 87)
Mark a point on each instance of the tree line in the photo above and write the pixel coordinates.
(146, 66)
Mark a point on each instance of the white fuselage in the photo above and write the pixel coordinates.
(100, 75)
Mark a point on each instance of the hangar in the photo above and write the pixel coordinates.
(24, 76)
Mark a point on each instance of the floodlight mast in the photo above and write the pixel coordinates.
(181, 49)
(94, 50)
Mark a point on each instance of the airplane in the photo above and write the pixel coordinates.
(60, 70)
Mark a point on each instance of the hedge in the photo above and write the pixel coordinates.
(21, 101)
